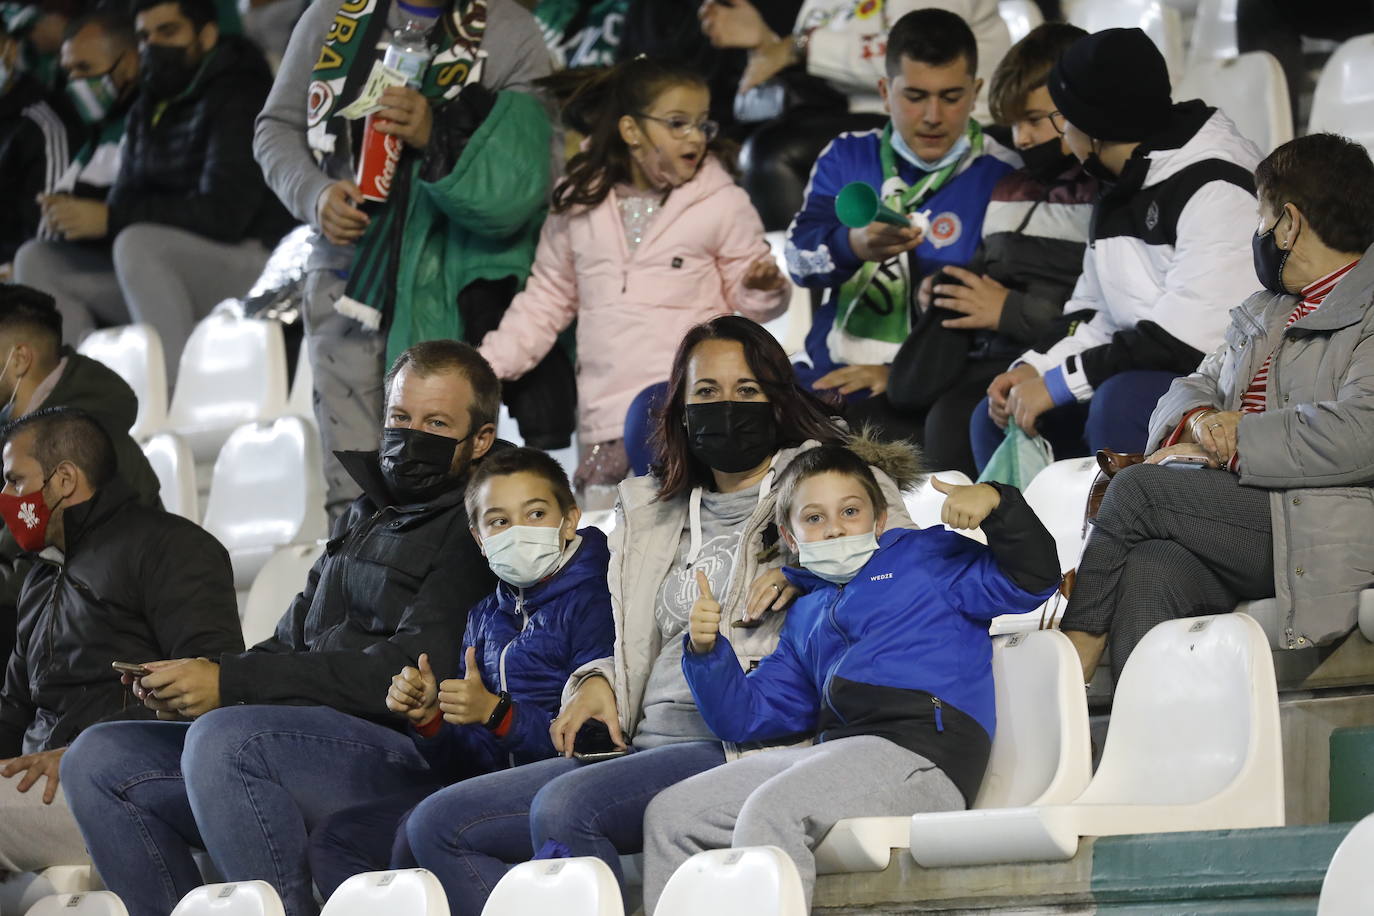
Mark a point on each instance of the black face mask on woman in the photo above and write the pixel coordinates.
(164, 71)
(731, 436)
(1047, 161)
(417, 465)
(1270, 259)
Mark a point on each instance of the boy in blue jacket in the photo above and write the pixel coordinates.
(885, 659)
(549, 616)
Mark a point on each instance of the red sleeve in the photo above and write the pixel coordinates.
(503, 729)
(431, 728)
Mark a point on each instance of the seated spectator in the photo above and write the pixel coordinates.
(1166, 254)
(930, 157)
(1011, 294)
(549, 616)
(472, 209)
(815, 75)
(113, 581)
(39, 372)
(398, 578)
(1280, 412)
(188, 221)
(904, 693)
(36, 132)
(649, 236)
(734, 420)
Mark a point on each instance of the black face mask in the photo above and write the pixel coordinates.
(731, 436)
(1047, 161)
(1270, 259)
(417, 465)
(164, 71)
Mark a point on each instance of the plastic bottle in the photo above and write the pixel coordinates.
(410, 53)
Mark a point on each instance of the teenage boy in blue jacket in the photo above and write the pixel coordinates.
(885, 659)
(549, 616)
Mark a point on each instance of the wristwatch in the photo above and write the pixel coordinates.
(498, 714)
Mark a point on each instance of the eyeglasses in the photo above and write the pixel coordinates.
(680, 127)
(1058, 121)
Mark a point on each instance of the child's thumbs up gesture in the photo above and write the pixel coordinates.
(966, 506)
(705, 622)
(414, 692)
(465, 700)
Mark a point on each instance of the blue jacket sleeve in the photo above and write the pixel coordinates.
(778, 698)
(818, 250)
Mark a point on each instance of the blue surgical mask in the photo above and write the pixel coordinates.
(960, 147)
(838, 560)
(523, 555)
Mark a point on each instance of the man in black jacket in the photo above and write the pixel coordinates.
(190, 218)
(113, 581)
(297, 727)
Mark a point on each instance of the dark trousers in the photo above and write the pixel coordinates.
(363, 838)
(1170, 543)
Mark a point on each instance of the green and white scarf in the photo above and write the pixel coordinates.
(873, 311)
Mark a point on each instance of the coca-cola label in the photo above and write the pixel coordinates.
(377, 164)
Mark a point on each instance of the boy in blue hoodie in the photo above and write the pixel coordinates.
(549, 616)
(885, 659)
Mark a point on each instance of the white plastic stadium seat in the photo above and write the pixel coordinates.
(569, 887)
(1193, 745)
(925, 502)
(134, 352)
(1251, 90)
(1266, 614)
(1214, 32)
(233, 371)
(1366, 615)
(302, 399)
(19, 892)
(791, 327)
(281, 579)
(87, 903)
(243, 898)
(1041, 751)
(753, 881)
(1347, 889)
(266, 492)
(175, 467)
(409, 892)
(1344, 100)
(1161, 22)
(1020, 16)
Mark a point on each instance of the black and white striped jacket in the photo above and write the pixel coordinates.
(35, 147)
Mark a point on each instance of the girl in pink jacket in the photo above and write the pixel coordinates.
(648, 236)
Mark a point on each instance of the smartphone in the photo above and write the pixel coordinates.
(593, 743)
(1184, 461)
(131, 669)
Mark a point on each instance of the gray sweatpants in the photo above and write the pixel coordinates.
(33, 835)
(164, 276)
(789, 799)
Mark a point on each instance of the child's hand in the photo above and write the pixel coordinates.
(414, 692)
(966, 506)
(705, 621)
(764, 274)
(466, 700)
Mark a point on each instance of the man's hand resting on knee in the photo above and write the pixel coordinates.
(35, 767)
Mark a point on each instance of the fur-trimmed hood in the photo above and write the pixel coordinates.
(901, 460)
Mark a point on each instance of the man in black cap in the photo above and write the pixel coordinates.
(1168, 253)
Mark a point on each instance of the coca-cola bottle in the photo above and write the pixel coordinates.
(410, 54)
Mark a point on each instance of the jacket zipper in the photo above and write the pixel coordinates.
(524, 623)
(1289, 633)
(830, 675)
(939, 713)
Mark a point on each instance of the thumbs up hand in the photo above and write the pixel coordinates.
(414, 692)
(705, 620)
(966, 506)
(466, 700)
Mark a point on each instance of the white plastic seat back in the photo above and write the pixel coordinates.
(408, 892)
(791, 327)
(1214, 32)
(243, 898)
(1251, 90)
(1161, 22)
(267, 491)
(1344, 100)
(175, 467)
(134, 352)
(276, 585)
(1020, 16)
(1366, 614)
(754, 881)
(1347, 889)
(569, 887)
(1058, 495)
(301, 402)
(87, 903)
(925, 502)
(233, 371)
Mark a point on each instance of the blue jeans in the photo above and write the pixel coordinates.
(470, 833)
(246, 783)
(1117, 417)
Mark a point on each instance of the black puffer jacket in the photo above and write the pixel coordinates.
(190, 164)
(137, 584)
(393, 582)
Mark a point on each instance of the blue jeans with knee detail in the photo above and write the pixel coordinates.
(246, 783)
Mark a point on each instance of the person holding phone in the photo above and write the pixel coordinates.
(549, 616)
(1283, 415)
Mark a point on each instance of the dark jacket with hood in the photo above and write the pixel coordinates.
(136, 583)
(529, 641)
(188, 162)
(393, 581)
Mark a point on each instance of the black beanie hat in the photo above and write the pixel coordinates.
(1113, 85)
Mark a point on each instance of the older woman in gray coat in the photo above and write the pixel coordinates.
(1260, 483)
